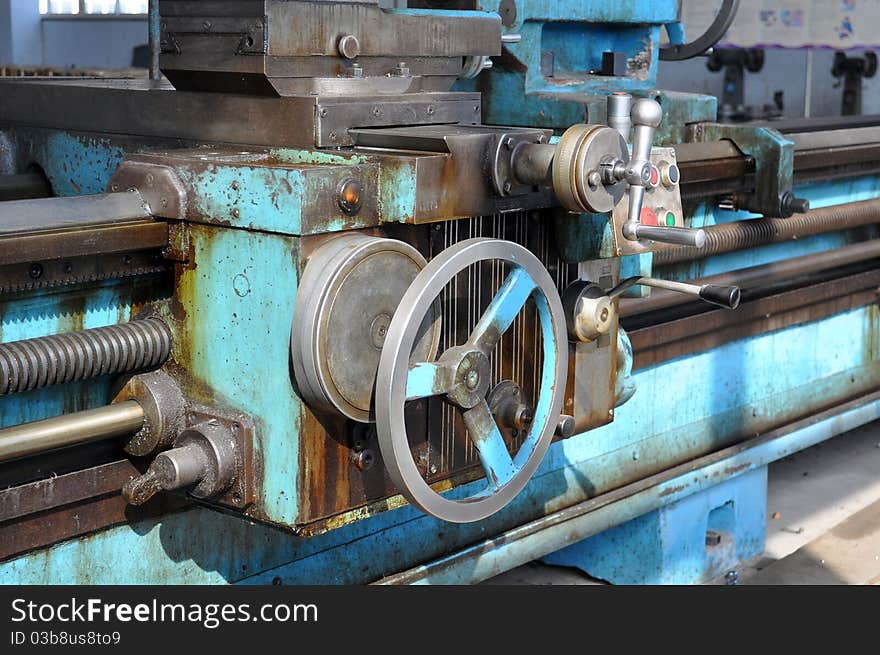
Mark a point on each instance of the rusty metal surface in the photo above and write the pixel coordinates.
(56, 273)
(60, 507)
(139, 108)
(103, 239)
(51, 493)
(76, 519)
(334, 490)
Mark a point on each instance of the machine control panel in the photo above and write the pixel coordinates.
(661, 206)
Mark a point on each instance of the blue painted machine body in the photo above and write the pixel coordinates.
(235, 313)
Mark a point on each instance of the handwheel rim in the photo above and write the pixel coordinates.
(393, 379)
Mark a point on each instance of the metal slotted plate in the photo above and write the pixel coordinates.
(448, 449)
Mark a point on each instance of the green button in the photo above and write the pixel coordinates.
(670, 219)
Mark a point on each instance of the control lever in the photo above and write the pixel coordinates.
(727, 297)
(646, 116)
(590, 312)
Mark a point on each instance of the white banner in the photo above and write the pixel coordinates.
(835, 24)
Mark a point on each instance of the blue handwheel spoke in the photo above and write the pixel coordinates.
(494, 457)
(503, 309)
(427, 379)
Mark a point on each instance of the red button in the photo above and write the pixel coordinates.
(655, 176)
(648, 217)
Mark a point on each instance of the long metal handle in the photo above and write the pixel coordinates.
(727, 297)
(70, 430)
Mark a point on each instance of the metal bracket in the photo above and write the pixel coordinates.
(158, 185)
(503, 178)
(774, 164)
(243, 492)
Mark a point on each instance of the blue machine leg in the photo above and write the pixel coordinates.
(690, 541)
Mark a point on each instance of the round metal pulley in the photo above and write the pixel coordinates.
(462, 375)
(350, 290)
(578, 181)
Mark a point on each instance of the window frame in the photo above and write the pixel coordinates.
(83, 15)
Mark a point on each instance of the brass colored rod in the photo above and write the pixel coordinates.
(34, 438)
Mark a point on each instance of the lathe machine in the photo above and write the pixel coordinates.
(417, 293)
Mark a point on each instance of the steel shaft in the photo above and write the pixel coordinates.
(70, 430)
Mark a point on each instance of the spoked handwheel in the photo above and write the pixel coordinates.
(461, 375)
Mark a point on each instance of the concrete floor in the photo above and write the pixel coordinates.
(823, 520)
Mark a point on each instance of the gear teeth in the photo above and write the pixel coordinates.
(38, 285)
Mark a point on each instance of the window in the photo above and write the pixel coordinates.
(86, 7)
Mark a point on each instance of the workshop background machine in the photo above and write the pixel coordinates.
(310, 312)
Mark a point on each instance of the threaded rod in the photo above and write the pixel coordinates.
(62, 358)
(740, 235)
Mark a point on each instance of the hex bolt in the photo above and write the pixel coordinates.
(363, 460)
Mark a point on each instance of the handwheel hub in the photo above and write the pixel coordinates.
(472, 376)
